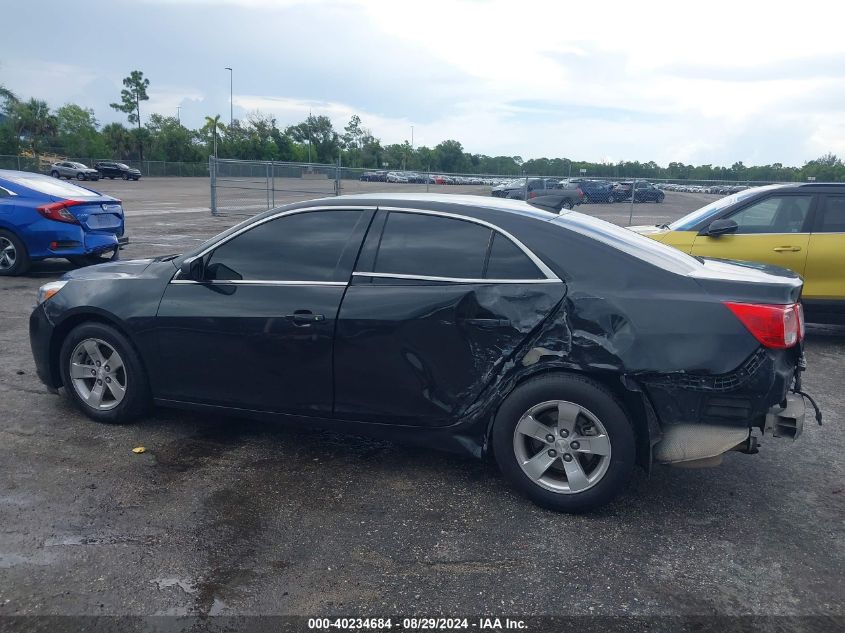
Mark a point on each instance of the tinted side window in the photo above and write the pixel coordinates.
(415, 244)
(775, 214)
(300, 247)
(507, 261)
(832, 216)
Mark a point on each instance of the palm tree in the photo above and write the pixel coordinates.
(212, 125)
(8, 97)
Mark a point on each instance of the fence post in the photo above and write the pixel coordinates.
(267, 183)
(337, 176)
(631, 212)
(212, 173)
(273, 184)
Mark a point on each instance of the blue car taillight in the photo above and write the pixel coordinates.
(59, 211)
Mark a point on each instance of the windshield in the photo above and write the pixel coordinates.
(691, 220)
(51, 186)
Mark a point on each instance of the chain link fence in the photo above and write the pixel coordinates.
(248, 187)
(147, 167)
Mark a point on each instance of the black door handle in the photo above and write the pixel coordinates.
(488, 322)
(305, 317)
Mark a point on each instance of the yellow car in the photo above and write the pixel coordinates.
(799, 226)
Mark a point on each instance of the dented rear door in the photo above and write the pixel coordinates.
(437, 307)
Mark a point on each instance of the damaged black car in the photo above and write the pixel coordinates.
(566, 348)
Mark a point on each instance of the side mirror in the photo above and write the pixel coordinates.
(720, 227)
(192, 268)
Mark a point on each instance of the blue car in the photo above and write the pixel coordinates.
(41, 217)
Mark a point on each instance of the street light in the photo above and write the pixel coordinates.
(178, 118)
(231, 107)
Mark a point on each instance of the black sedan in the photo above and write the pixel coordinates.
(566, 348)
(112, 170)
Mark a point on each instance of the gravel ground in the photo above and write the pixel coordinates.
(225, 516)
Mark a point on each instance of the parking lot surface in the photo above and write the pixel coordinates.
(226, 516)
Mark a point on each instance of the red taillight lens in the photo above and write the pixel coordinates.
(775, 326)
(580, 192)
(532, 194)
(59, 212)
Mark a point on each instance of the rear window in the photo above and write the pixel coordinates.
(629, 242)
(51, 186)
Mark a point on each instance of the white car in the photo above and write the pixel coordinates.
(393, 176)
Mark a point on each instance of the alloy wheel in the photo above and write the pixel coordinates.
(98, 374)
(562, 447)
(8, 254)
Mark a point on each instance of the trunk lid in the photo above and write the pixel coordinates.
(748, 282)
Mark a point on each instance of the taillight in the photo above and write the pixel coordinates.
(580, 192)
(532, 194)
(775, 326)
(59, 212)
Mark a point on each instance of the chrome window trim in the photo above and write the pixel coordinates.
(10, 192)
(461, 280)
(550, 276)
(257, 282)
(544, 270)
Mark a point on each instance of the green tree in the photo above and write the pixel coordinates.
(133, 93)
(211, 130)
(118, 140)
(450, 156)
(78, 135)
(317, 131)
(33, 121)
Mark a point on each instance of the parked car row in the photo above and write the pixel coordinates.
(718, 189)
(102, 169)
(432, 179)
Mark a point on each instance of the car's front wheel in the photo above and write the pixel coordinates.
(103, 374)
(565, 442)
(566, 204)
(54, 174)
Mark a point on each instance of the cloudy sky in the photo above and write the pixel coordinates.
(712, 82)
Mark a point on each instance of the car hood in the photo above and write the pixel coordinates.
(111, 270)
(652, 230)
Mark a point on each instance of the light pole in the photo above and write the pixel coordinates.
(231, 93)
(412, 138)
(178, 117)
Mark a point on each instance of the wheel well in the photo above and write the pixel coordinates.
(631, 402)
(64, 328)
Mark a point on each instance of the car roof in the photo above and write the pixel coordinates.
(460, 204)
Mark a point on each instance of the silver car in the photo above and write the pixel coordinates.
(68, 169)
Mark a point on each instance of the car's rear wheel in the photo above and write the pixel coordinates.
(565, 442)
(14, 259)
(126, 176)
(103, 374)
(566, 204)
(611, 199)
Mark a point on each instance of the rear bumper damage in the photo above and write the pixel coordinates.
(703, 417)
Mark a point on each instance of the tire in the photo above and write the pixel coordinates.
(587, 404)
(55, 174)
(131, 375)
(126, 176)
(567, 205)
(14, 258)
(80, 176)
(659, 199)
(610, 199)
(111, 177)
